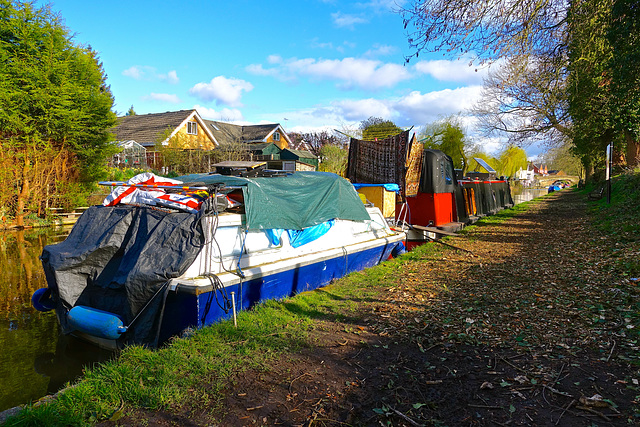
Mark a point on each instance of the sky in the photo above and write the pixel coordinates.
(308, 64)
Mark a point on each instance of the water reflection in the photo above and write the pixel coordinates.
(36, 359)
(525, 194)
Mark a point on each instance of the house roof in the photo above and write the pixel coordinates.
(149, 129)
(302, 154)
(227, 133)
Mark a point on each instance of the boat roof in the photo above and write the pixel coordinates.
(294, 201)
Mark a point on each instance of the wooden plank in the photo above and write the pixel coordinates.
(433, 230)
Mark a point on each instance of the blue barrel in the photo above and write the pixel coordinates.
(94, 322)
(41, 300)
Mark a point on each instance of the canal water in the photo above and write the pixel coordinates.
(35, 359)
(522, 195)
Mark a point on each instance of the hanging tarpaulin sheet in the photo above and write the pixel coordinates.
(292, 202)
(414, 168)
(386, 161)
(438, 174)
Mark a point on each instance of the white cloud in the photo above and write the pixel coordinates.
(223, 90)
(343, 20)
(232, 115)
(380, 50)
(135, 72)
(358, 110)
(413, 109)
(163, 97)
(453, 71)
(419, 108)
(170, 77)
(148, 73)
(348, 73)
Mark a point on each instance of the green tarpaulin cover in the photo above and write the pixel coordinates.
(296, 201)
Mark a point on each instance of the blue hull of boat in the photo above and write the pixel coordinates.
(184, 310)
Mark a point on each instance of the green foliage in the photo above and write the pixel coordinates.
(54, 97)
(333, 159)
(511, 160)
(377, 128)
(448, 136)
(589, 79)
(624, 37)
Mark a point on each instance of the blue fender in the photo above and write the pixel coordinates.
(41, 300)
(94, 322)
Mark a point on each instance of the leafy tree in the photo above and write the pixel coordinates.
(511, 159)
(448, 136)
(333, 158)
(624, 37)
(589, 90)
(375, 128)
(55, 109)
(562, 158)
(131, 111)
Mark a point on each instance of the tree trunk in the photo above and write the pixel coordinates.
(633, 150)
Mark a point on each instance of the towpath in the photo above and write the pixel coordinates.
(534, 326)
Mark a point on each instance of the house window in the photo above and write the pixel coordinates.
(276, 136)
(192, 128)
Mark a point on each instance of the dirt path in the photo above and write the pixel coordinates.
(534, 328)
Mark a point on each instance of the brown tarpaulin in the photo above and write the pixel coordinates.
(391, 160)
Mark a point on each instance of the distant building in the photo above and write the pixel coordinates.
(540, 169)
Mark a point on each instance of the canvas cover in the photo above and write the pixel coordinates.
(117, 258)
(292, 202)
(438, 175)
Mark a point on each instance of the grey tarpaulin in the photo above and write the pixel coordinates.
(438, 175)
(116, 258)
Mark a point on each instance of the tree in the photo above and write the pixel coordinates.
(487, 29)
(525, 99)
(588, 88)
(315, 141)
(624, 65)
(448, 136)
(333, 159)
(131, 111)
(581, 57)
(55, 114)
(563, 159)
(375, 128)
(511, 159)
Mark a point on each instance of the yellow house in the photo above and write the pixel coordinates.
(183, 129)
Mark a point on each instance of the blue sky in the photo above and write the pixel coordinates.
(307, 64)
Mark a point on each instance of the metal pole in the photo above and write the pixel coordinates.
(233, 304)
(609, 172)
